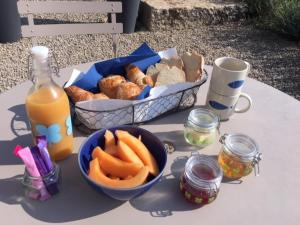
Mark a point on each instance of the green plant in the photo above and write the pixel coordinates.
(280, 15)
(285, 17)
(258, 8)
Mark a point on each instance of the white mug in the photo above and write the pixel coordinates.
(225, 106)
(228, 76)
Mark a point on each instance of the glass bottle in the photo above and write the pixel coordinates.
(47, 107)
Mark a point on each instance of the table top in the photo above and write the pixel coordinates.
(272, 198)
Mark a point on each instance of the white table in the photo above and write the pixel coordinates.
(270, 199)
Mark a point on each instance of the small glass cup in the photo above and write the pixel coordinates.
(239, 155)
(41, 188)
(201, 127)
(201, 179)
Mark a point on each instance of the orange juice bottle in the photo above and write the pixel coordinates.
(47, 107)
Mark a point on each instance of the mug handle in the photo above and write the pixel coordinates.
(248, 98)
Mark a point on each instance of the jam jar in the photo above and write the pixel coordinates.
(201, 127)
(238, 156)
(201, 179)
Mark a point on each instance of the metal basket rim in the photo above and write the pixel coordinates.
(198, 84)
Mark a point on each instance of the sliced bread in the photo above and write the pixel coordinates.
(174, 61)
(169, 76)
(193, 66)
(154, 70)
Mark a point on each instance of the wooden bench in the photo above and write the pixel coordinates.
(29, 8)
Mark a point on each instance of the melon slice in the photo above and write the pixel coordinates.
(113, 177)
(140, 149)
(97, 175)
(109, 139)
(112, 150)
(127, 154)
(110, 143)
(127, 178)
(115, 166)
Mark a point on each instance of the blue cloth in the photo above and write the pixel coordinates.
(142, 57)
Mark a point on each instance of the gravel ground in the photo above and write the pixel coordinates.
(275, 60)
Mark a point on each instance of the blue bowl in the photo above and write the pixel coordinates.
(154, 145)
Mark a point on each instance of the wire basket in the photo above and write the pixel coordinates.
(88, 121)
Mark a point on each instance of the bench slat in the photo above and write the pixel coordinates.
(26, 7)
(61, 29)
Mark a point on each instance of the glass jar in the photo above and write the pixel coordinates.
(35, 186)
(239, 155)
(201, 179)
(201, 127)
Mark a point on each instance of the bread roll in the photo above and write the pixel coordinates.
(78, 94)
(100, 96)
(110, 84)
(128, 91)
(135, 75)
(193, 66)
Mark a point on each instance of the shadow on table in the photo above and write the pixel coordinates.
(20, 127)
(172, 118)
(175, 118)
(231, 181)
(19, 124)
(7, 147)
(165, 198)
(178, 138)
(76, 201)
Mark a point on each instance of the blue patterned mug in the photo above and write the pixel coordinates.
(226, 106)
(228, 76)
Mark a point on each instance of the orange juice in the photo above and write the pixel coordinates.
(49, 116)
(48, 110)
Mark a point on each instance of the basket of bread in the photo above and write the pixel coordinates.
(135, 89)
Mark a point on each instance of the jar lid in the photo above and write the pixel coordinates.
(241, 146)
(203, 171)
(204, 118)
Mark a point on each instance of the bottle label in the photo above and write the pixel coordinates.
(69, 125)
(53, 132)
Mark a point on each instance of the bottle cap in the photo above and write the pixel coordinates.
(40, 52)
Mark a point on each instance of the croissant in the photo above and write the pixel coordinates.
(110, 84)
(135, 75)
(128, 91)
(78, 94)
(100, 96)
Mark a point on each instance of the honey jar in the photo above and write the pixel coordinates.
(201, 127)
(201, 179)
(238, 156)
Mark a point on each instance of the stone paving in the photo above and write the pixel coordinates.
(160, 14)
